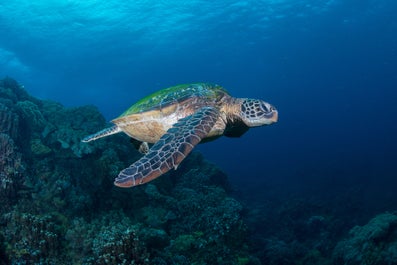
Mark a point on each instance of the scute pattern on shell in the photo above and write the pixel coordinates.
(173, 95)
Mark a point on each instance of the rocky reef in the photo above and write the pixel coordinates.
(294, 229)
(59, 205)
(370, 244)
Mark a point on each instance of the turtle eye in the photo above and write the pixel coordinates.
(265, 108)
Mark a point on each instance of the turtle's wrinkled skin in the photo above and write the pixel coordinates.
(176, 119)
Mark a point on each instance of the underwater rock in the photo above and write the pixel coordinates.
(66, 127)
(31, 115)
(38, 148)
(278, 252)
(153, 216)
(154, 238)
(109, 239)
(11, 90)
(11, 170)
(32, 238)
(118, 246)
(8, 121)
(11, 165)
(372, 244)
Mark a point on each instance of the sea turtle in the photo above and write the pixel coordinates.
(176, 119)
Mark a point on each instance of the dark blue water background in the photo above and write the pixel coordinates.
(330, 67)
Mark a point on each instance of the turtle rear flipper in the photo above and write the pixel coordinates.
(102, 133)
(142, 147)
(171, 149)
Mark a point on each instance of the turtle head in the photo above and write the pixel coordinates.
(256, 112)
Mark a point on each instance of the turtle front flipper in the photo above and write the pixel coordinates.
(102, 133)
(171, 149)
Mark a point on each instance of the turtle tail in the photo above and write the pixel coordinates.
(102, 133)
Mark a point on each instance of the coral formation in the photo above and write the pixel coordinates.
(370, 244)
(34, 238)
(11, 170)
(62, 207)
(8, 121)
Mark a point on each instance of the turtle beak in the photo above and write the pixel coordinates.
(274, 117)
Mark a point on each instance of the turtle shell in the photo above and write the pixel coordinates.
(173, 95)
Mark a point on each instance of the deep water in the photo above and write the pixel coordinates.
(329, 67)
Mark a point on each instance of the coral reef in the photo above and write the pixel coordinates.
(61, 207)
(372, 244)
(293, 228)
(8, 121)
(33, 238)
(10, 169)
(109, 239)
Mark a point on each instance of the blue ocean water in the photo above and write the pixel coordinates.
(329, 66)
